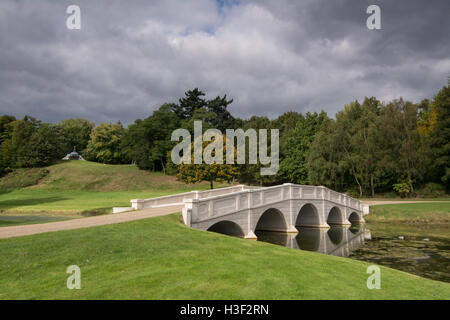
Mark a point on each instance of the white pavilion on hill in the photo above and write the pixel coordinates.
(73, 156)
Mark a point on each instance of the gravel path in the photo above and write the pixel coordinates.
(25, 230)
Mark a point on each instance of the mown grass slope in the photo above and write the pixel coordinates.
(411, 213)
(160, 258)
(91, 176)
(76, 188)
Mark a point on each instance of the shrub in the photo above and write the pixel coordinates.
(402, 188)
(432, 190)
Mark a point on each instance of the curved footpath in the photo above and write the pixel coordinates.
(26, 230)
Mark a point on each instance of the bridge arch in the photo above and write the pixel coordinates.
(228, 228)
(354, 218)
(335, 216)
(308, 216)
(309, 239)
(355, 230)
(336, 235)
(271, 220)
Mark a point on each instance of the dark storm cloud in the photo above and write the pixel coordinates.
(270, 56)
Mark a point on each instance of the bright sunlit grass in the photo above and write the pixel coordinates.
(160, 258)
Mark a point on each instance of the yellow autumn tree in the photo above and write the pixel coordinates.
(428, 121)
(220, 172)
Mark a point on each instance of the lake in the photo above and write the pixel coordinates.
(424, 251)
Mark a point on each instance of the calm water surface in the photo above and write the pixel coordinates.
(426, 253)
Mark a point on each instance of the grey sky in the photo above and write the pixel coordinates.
(269, 56)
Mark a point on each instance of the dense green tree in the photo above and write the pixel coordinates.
(203, 115)
(251, 173)
(295, 146)
(147, 142)
(287, 122)
(440, 136)
(104, 144)
(400, 142)
(4, 134)
(160, 127)
(4, 121)
(46, 144)
(135, 145)
(16, 145)
(377, 146)
(192, 101)
(324, 160)
(76, 133)
(257, 122)
(30, 143)
(213, 112)
(359, 127)
(223, 119)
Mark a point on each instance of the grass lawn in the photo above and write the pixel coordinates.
(15, 220)
(160, 258)
(433, 231)
(440, 198)
(71, 201)
(79, 188)
(420, 213)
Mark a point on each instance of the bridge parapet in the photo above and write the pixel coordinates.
(277, 208)
(203, 209)
(178, 199)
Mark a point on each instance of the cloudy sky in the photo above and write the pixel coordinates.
(269, 56)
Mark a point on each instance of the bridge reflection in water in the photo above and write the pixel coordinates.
(338, 240)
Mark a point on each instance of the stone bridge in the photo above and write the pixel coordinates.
(280, 208)
(241, 210)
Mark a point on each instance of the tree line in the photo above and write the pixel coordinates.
(368, 148)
